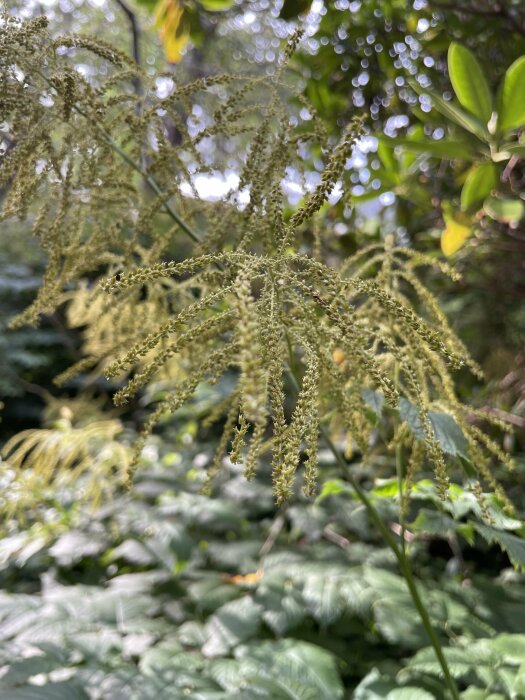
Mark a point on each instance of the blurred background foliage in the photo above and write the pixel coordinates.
(167, 593)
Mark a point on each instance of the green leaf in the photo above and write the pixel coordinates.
(444, 148)
(517, 149)
(513, 545)
(293, 8)
(65, 690)
(233, 623)
(455, 113)
(409, 693)
(431, 522)
(374, 399)
(448, 434)
(511, 103)
(505, 210)
(446, 431)
(480, 182)
(510, 646)
(216, 5)
(469, 83)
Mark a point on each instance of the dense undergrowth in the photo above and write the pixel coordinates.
(172, 594)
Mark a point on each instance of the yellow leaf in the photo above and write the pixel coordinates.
(454, 236)
(338, 356)
(173, 30)
(247, 579)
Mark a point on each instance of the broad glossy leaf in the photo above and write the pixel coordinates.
(469, 82)
(511, 104)
(216, 5)
(444, 148)
(505, 210)
(517, 149)
(455, 113)
(480, 182)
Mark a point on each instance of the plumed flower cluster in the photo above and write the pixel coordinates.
(253, 298)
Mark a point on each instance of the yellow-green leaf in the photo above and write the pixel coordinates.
(511, 107)
(505, 210)
(173, 28)
(455, 234)
(480, 182)
(469, 83)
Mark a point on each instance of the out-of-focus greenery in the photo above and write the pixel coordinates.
(172, 594)
(166, 593)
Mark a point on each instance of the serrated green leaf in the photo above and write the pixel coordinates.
(433, 522)
(233, 623)
(409, 693)
(65, 690)
(504, 210)
(469, 82)
(511, 544)
(480, 182)
(374, 399)
(446, 431)
(511, 103)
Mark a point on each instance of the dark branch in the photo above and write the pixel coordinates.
(499, 11)
(135, 32)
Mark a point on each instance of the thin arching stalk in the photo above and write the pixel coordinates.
(399, 552)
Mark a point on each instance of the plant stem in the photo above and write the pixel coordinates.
(399, 553)
(399, 471)
(403, 561)
(137, 167)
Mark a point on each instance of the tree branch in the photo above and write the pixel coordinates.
(500, 12)
(135, 38)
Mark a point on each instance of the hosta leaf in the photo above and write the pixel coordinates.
(505, 210)
(480, 182)
(469, 82)
(511, 103)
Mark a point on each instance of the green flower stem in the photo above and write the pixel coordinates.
(149, 179)
(399, 553)
(403, 561)
(399, 471)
